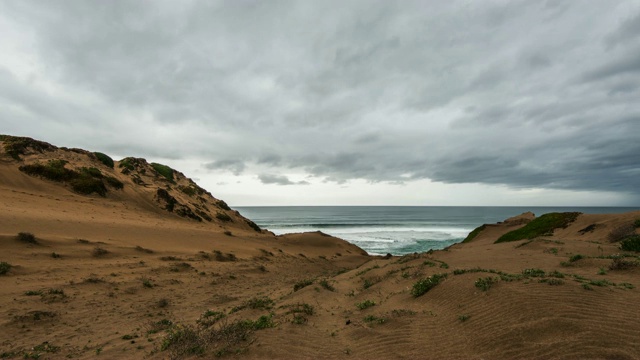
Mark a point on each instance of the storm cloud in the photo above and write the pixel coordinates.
(522, 94)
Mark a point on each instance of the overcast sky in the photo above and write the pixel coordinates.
(340, 102)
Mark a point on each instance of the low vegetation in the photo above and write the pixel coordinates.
(104, 158)
(630, 243)
(164, 170)
(424, 285)
(26, 237)
(472, 235)
(16, 146)
(5, 267)
(83, 181)
(302, 284)
(485, 283)
(541, 226)
(365, 304)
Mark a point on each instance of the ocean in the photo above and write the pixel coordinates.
(397, 230)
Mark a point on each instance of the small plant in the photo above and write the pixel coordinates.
(587, 286)
(55, 256)
(484, 284)
(620, 263)
(365, 304)
(99, 252)
(299, 319)
(556, 274)
(146, 282)
(533, 272)
(576, 257)
(426, 284)
(463, 317)
(552, 281)
(5, 267)
(402, 312)
(602, 271)
(301, 284)
(141, 249)
(162, 303)
(210, 317)
(630, 243)
(26, 237)
(33, 293)
(325, 284)
(374, 319)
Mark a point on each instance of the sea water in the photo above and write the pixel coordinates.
(397, 230)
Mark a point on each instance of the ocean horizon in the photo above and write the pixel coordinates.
(397, 230)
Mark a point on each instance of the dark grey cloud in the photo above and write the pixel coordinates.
(279, 180)
(523, 94)
(233, 165)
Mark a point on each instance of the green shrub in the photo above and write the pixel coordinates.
(374, 319)
(533, 272)
(183, 341)
(104, 158)
(484, 284)
(87, 185)
(576, 257)
(26, 237)
(223, 205)
(163, 170)
(630, 243)
(54, 170)
(301, 284)
(325, 284)
(223, 217)
(541, 226)
(472, 235)
(16, 146)
(636, 224)
(127, 163)
(5, 267)
(210, 317)
(253, 225)
(426, 284)
(365, 304)
(620, 263)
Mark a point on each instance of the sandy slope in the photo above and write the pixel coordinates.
(159, 266)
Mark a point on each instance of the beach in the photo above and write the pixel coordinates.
(135, 274)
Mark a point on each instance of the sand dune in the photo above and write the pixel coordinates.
(120, 276)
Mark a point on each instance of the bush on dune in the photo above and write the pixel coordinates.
(104, 158)
(541, 226)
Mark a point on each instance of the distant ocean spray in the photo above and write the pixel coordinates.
(394, 229)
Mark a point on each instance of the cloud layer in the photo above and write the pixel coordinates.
(523, 94)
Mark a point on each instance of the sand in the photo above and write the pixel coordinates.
(107, 272)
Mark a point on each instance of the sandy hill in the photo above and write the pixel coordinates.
(127, 259)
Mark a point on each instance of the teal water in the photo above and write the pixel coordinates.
(397, 230)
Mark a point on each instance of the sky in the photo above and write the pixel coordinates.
(510, 103)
